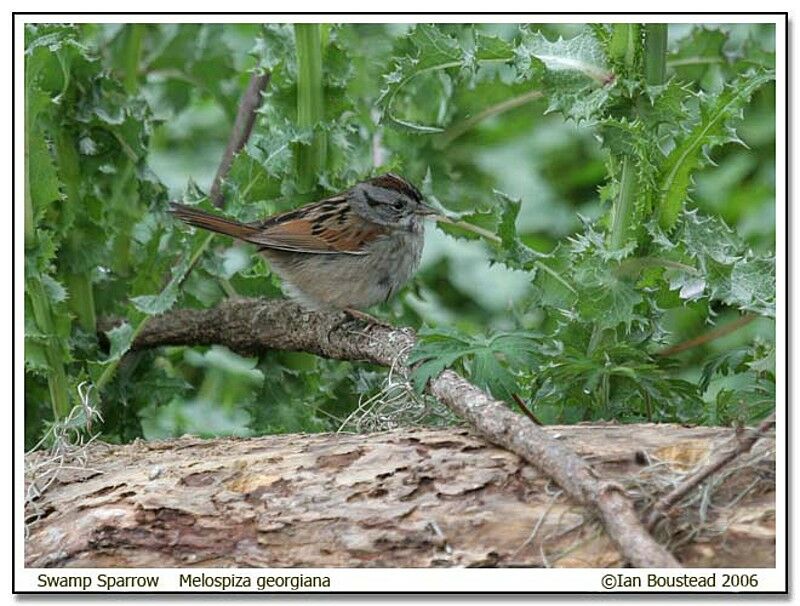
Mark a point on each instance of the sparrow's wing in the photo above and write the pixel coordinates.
(326, 227)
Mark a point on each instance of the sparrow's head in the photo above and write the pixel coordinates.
(389, 200)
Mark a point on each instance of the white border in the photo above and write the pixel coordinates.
(420, 579)
(423, 579)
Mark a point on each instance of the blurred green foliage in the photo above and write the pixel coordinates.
(630, 215)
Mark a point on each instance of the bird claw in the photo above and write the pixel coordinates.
(354, 316)
(368, 319)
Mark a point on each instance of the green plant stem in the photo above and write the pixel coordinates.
(623, 206)
(458, 129)
(625, 42)
(79, 284)
(311, 159)
(438, 67)
(594, 339)
(632, 266)
(81, 300)
(655, 53)
(57, 383)
(56, 379)
(30, 230)
(133, 49)
(109, 371)
(122, 239)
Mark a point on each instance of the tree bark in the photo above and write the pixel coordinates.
(406, 498)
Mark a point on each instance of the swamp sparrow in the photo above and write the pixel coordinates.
(346, 252)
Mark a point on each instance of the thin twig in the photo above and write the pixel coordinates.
(242, 127)
(711, 335)
(538, 525)
(737, 446)
(524, 407)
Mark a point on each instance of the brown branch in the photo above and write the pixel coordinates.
(524, 408)
(242, 127)
(711, 335)
(248, 326)
(737, 446)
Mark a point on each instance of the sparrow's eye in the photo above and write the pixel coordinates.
(398, 205)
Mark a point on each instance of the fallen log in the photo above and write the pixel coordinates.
(405, 498)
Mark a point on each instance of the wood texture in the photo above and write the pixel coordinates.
(401, 498)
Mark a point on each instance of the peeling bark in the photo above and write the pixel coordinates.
(407, 498)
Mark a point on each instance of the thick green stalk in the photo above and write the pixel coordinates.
(56, 379)
(623, 206)
(81, 300)
(121, 247)
(79, 284)
(133, 49)
(42, 313)
(655, 59)
(655, 53)
(30, 229)
(625, 43)
(311, 158)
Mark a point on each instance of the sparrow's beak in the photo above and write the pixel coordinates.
(425, 210)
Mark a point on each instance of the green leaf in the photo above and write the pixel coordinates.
(275, 51)
(699, 56)
(513, 252)
(572, 72)
(712, 129)
(54, 289)
(489, 361)
(551, 285)
(745, 377)
(605, 298)
(752, 286)
(251, 181)
(488, 48)
(581, 54)
(183, 58)
(432, 51)
(491, 376)
(724, 269)
(163, 301)
(120, 339)
(436, 350)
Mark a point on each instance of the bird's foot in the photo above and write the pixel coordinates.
(366, 318)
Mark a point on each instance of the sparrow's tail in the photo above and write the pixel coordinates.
(200, 218)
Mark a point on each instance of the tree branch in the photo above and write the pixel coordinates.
(242, 127)
(248, 326)
(711, 335)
